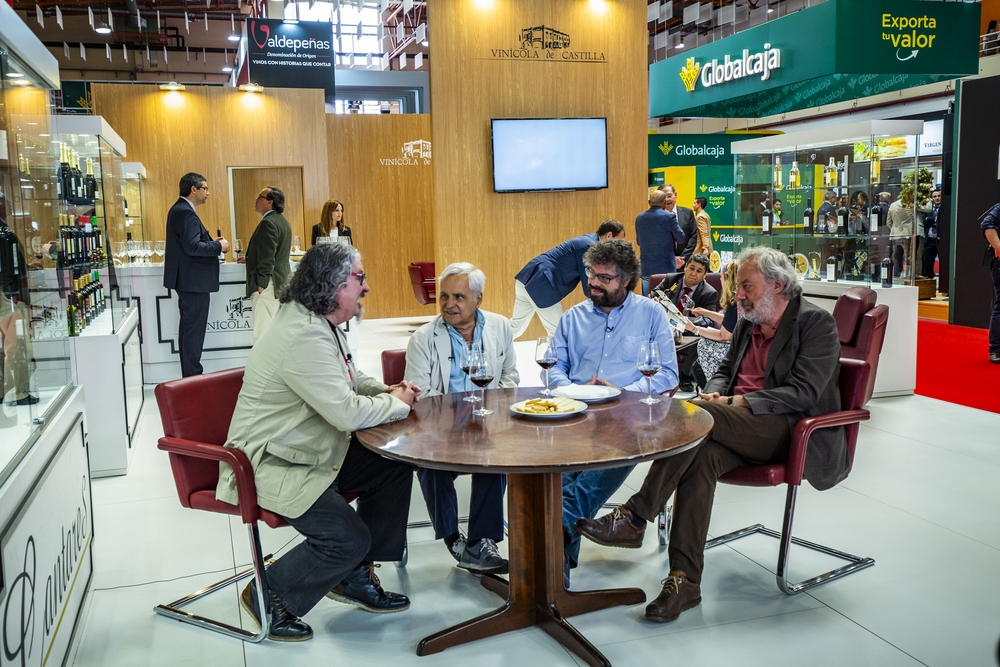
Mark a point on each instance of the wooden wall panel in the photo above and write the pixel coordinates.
(501, 232)
(209, 129)
(388, 202)
(247, 184)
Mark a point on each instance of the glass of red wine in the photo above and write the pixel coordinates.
(466, 356)
(546, 357)
(648, 363)
(481, 374)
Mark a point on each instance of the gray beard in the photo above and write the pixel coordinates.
(763, 311)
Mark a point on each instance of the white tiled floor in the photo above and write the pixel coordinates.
(922, 501)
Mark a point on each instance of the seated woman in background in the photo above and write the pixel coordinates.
(714, 343)
(331, 222)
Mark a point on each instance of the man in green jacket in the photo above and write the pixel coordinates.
(301, 403)
(267, 258)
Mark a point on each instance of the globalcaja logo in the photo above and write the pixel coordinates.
(543, 43)
(715, 72)
(261, 34)
(666, 147)
(908, 34)
(689, 74)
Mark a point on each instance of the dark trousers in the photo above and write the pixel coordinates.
(995, 316)
(485, 503)
(930, 254)
(738, 438)
(338, 539)
(193, 307)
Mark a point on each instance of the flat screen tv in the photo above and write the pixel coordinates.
(546, 154)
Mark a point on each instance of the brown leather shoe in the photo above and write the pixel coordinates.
(678, 595)
(612, 530)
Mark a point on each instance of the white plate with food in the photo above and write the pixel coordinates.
(548, 408)
(588, 393)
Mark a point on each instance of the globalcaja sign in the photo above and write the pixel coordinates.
(836, 51)
(687, 150)
(291, 55)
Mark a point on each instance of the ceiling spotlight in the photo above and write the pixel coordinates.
(425, 43)
(680, 45)
(227, 69)
(21, 82)
(251, 88)
(770, 11)
(14, 75)
(173, 85)
(102, 28)
(234, 37)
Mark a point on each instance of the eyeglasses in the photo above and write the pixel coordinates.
(261, 197)
(603, 277)
(360, 277)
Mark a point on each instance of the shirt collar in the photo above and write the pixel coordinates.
(190, 203)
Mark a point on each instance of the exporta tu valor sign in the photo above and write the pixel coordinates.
(290, 55)
(833, 52)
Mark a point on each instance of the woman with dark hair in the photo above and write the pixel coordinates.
(713, 344)
(331, 222)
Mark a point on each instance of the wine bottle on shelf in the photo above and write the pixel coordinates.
(887, 267)
(791, 254)
(222, 255)
(765, 222)
(875, 167)
(875, 218)
(844, 174)
(61, 171)
(830, 175)
(777, 173)
(71, 329)
(843, 216)
(794, 176)
(831, 268)
(808, 218)
(90, 181)
(129, 247)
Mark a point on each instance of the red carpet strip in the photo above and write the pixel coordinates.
(953, 365)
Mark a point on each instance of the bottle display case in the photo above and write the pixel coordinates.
(93, 223)
(844, 203)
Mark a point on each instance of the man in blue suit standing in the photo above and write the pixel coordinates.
(552, 276)
(656, 232)
(191, 268)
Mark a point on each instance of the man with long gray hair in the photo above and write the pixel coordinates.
(434, 362)
(302, 401)
(783, 365)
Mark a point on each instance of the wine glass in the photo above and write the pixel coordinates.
(159, 248)
(467, 353)
(296, 244)
(119, 251)
(147, 251)
(546, 357)
(481, 374)
(648, 363)
(237, 248)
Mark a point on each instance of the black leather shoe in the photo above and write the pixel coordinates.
(27, 400)
(995, 357)
(362, 589)
(686, 386)
(284, 626)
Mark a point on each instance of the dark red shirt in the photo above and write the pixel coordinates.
(750, 377)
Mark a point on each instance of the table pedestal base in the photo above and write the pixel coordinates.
(535, 594)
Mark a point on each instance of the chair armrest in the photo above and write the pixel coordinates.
(246, 489)
(800, 438)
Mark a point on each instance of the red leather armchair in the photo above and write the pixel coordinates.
(861, 328)
(854, 376)
(393, 366)
(422, 278)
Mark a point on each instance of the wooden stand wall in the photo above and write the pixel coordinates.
(388, 202)
(470, 85)
(207, 129)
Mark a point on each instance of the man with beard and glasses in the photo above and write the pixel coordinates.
(301, 403)
(783, 365)
(597, 342)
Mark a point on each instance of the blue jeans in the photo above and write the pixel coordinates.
(583, 495)
(995, 316)
(645, 285)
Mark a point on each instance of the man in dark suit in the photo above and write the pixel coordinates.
(552, 276)
(657, 234)
(931, 234)
(686, 221)
(783, 365)
(267, 258)
(191, 268)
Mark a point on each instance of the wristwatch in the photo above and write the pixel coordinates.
(731, 400)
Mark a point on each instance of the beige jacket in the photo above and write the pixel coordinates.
(704, 224)
(297, 410)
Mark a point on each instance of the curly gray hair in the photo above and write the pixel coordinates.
(775, 267)
(321, 272)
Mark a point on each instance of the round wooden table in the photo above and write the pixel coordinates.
(442, 433)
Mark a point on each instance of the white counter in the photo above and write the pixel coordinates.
(228, 337)
(897, 367)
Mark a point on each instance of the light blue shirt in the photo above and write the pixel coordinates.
(459, 381)
(592, 344)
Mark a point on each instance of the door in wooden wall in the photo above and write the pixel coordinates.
(247, 184)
